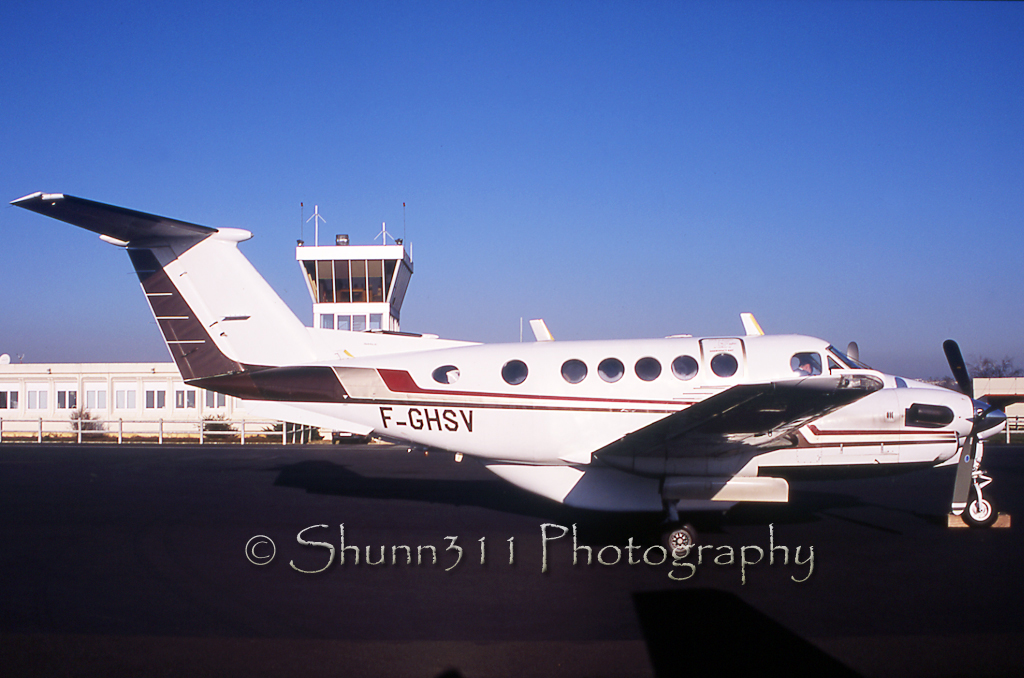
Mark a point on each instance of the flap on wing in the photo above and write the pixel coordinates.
(746, 410)
(109, 220)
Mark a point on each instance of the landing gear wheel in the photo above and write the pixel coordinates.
(979, 512)
(681, 538)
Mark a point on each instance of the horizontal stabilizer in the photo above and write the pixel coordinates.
(109, 220)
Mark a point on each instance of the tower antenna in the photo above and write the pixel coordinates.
(316, 219)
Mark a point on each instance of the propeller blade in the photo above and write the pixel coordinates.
(964, 471)
(853, 351)
(958, 367)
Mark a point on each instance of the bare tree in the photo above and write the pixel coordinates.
(986, 368)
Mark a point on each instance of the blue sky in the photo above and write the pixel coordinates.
(844, 170)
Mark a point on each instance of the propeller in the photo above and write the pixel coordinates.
(853, 351)
(959, 368)
(985, 417)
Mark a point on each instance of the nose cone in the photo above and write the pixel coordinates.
(988, 420)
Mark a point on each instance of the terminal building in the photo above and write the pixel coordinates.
(352, 287)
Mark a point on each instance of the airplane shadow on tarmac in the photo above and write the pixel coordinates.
(328, 478)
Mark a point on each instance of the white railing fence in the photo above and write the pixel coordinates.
(159, 431)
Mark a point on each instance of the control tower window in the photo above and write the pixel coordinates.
(515, 372)
(375, 280)
(389, 276)
(574, 371)
(611, 370)
(325, 281)
(806, 364)
(342, 286)
(358, 281)
(648, 369)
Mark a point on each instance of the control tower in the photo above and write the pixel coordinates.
(356, 287)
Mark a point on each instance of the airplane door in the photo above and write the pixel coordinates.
(726, 359)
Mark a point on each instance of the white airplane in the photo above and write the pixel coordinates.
(680, 424)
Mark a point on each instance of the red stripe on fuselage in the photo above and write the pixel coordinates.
(400, 381)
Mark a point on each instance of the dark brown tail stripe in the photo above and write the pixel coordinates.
(188, 341)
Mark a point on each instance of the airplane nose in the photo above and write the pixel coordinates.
(987, 420)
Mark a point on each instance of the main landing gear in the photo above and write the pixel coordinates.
(678, 537)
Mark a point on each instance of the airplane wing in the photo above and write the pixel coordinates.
(755, 414)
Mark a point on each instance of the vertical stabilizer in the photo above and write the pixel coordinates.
(216, 313)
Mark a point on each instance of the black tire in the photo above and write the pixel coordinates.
(680, 537)
(980, 514)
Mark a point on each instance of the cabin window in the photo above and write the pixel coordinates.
(574, 371)
(611, 370)
(724, 365)
(806, 364)
(648, 369)
(446, 374)
(514, 372)
(900, 382)
(684, 367)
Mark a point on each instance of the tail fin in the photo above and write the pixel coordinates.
(216, 313)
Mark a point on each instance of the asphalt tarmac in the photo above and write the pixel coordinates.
(137, 560)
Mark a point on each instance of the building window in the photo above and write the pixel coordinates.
(96, 400)
(376, 320)
(327, 321)
(67, 400)
(36, 400)
(124, 399)
(359, 323)
(185, 399)
(345, 322)
(8, 400)
(155, 400)
(215, 399)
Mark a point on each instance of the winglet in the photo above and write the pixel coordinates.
(750, 325)
(540, 330)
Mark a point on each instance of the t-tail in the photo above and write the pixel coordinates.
(224, 326)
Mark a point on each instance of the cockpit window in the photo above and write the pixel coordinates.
(847, 360)
(806, 364)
